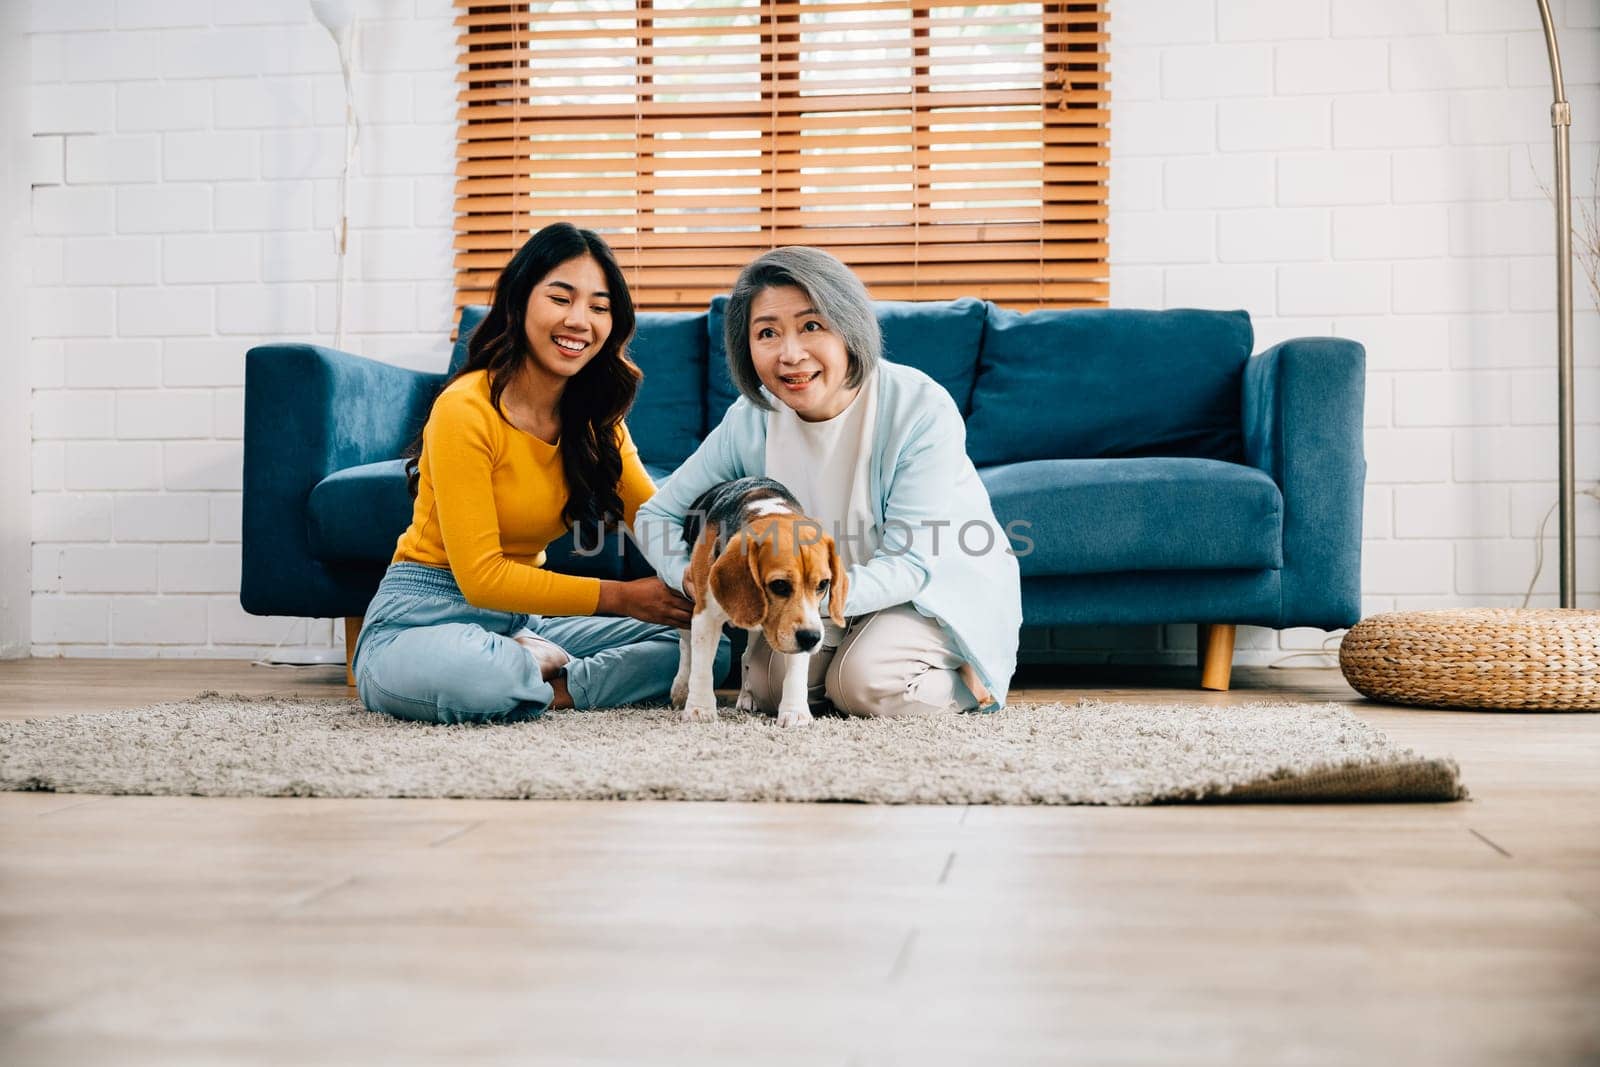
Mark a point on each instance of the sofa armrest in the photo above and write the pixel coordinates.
(310, 411)
(1303, 415)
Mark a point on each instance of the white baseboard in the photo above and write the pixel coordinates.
(300, 657)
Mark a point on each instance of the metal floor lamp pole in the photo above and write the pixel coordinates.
(1561, 120)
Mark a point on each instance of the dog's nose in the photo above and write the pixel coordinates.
(807, 639)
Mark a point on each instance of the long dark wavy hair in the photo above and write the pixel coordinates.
(594, 400)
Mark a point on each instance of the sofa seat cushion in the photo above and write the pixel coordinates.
(1101, 516)
(1095, 383)
(359, 514)
(938, 337)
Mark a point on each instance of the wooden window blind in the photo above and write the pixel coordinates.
(941, 149)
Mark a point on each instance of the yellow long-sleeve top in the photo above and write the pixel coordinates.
(489, 502)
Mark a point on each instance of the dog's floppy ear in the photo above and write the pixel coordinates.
(735, 583)
(838, 585)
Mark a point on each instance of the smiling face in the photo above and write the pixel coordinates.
(568, 319)
(797, 355)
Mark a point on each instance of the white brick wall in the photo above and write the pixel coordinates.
(185, 163)
(1364, 168)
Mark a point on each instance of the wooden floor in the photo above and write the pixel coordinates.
(145, 930)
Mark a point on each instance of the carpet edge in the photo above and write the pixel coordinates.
(1411, 779)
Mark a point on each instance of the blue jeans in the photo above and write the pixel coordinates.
(425, 653)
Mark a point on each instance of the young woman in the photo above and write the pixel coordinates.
(524, 443)
(876, 452)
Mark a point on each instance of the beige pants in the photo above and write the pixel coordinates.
(892, 662)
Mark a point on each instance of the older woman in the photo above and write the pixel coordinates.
(876, 452)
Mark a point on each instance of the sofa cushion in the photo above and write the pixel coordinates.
(360, 513)
(938, 337)
(471, 316)
(1104, 382)
(720, 390)
(669, 414)
(1097, 516)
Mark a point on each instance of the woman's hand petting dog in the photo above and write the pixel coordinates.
(645, 599)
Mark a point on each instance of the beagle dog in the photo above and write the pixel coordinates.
(757, 561)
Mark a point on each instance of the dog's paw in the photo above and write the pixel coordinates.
(698, 713)
(680, 694)
(794, 716)
(746, 701)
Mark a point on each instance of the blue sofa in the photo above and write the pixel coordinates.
(1160, 471)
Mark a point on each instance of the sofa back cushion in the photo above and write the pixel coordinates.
(938, 337)
(471, 316)
(669, 414)
(1106, 382)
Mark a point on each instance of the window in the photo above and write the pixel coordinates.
(940, 149)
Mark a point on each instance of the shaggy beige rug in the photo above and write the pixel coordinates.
(1086, 753)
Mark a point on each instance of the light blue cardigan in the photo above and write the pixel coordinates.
(922, 483)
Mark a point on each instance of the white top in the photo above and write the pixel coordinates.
(826, 465)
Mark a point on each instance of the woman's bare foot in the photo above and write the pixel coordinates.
(969, 675)
(563, 697)
(550, 656)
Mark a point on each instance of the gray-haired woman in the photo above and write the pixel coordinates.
(876, 452)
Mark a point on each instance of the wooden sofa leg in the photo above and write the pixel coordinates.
(352, 630)
(1216, 655)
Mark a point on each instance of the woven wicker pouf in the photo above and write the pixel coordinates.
(1501, 658)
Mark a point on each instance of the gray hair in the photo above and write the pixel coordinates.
(836, 293)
